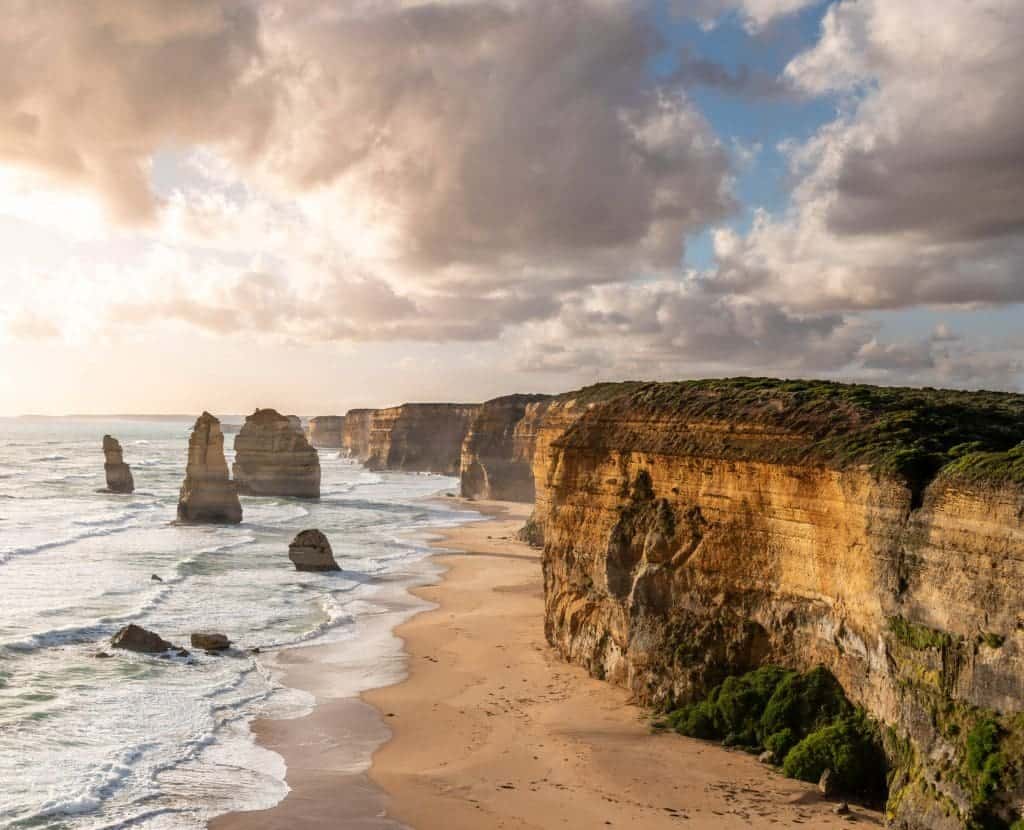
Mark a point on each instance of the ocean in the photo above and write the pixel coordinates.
(137, 741)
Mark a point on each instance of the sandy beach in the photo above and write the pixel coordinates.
(491, 729)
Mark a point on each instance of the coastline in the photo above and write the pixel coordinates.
(489, 728)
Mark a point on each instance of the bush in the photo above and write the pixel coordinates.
(803, 702)
(849, 747)
(781, 742)
(695, 721)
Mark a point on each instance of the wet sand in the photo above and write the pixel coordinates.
(491, 730)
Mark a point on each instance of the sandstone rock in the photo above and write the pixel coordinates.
(767, 757)
(325, 431)
(841, 809)
(420, 437)
(311, 551)
(135, 638)
(119, 474)
(497, 456)
(355, 433)
(210, 641)
(273, 457)
(208, 495)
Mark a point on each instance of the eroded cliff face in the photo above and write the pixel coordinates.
(355, 433)
(420, 437)
(325, 431)
(497, 455)
(683, 546)
(273, 457)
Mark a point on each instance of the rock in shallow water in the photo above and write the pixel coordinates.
(119, 474)
(310, 551)
(138, 639)
(273, 457)
(210, 641)
(208, 495)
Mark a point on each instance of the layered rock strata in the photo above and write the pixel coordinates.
(324, 431)
(273, 457)
(694, 531)
(311, 551)
(497, 455)
(420, 437)
(208, 495)
(355, 433)
(118, 474)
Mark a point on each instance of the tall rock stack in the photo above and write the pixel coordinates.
(208, 495)
(273, 457)
(325, 431)
(119, 474)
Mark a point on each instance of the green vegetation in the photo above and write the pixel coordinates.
(918, 637)
(983, 761)
(993, 640)
(912, 434)
(804, 719)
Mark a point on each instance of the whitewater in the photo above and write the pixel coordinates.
(136, 741)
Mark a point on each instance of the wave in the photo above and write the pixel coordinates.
(54, 457)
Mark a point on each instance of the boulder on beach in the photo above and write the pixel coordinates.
(208, 495)
(210, 641)
(310, 551)
(119, 474)
(138, 639)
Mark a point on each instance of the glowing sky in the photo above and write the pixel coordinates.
(321, 204)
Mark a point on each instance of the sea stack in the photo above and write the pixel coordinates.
(325, 431)
(208, 495)
(310, 551)
(119, 474)
(273, 457)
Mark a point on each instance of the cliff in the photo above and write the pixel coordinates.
(698, 530)
(118, 474)
(325, 431)
(208, 495)
(273, 457)
(497, 455)
(420, 437)
(355, 433)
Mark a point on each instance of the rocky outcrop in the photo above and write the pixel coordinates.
(355, 433)
(693, 531)
(311, 551)
(497, 455)
(210, 641)
(273, 457)
(420, 437)
(135, 638)
(324, 431)
(119, 474)
(208, 495)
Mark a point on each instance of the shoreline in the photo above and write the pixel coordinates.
(486, 727)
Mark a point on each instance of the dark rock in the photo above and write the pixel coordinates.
(102, 655)
(310, 551)
(138, 639)
(210, 641)
(119, 474)
(155, 578)
(841, 809)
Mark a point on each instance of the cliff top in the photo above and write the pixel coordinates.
(909, 433)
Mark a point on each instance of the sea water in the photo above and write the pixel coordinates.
(138, 741)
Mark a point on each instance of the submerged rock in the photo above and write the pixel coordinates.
(210, 641)
(119, 474)
(208, 495)
(310, 551)
(138, 639)
(273, 457)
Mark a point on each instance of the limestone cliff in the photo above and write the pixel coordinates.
(325, 431)
(355, 433)
(497, 455)
(698, 530)
(273, 457)
(208, 495)
(118, 474)
(420, 437)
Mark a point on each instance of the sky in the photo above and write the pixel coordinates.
(323, 204)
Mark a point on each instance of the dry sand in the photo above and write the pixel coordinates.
(492, 730)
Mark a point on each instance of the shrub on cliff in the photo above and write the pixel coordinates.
(850, 747)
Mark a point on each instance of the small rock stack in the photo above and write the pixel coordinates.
(310, 551)
(208, 495)
(119, 474)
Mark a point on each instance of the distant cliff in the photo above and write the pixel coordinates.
(355, 433)
(325, 431)
(497, 455)
(697, 530)
(420, 437)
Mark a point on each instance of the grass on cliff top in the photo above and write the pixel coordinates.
(805, 721)
(912, 434)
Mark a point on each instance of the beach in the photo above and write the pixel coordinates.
(491, 729)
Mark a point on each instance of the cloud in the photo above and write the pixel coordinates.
(28, 325)
(755, 14)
